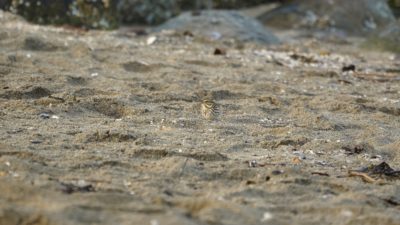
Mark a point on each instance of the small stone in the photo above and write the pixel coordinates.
(253, 163)
(44, 115)
(266, 216)
(36, 141)
(151, 40)
(277, 172)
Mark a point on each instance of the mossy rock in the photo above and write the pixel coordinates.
(94, 14)
(87, 13)
(39, 11)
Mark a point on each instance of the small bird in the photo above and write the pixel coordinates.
(209, 109)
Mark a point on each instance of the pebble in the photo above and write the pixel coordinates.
(151, 40)
(253, 163)
(36, 141)
(154, 222)
(44, 115)
(266, 216)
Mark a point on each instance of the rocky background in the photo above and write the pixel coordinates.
(109, 13)
(375, 19)
(103, 126)
(292, 12)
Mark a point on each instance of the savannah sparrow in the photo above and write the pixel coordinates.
(209, 109)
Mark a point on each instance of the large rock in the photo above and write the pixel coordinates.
(158, 11)
(353, 17)
(221, 24)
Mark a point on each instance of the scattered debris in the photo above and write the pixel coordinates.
(320, 173)
(57, 98)
(296, 160)
(376, 173)
(137, 66)
(350, 67)
(357, 149)
(303, 58)
(108, 136)
(219, 51)
(44, 115)
(71, 188)
(343, 81)
(253, 163)
(188, 33)
(138, 31)
(392, 201)
(277, 172)
(250, 182)
(364, 176)
(36, 141)
(382, 169)
(378, 77)
(376, 157)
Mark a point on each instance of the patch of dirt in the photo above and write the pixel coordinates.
(107, 129)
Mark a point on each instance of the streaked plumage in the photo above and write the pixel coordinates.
(209, 109)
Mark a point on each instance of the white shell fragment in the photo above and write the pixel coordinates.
(151, 40)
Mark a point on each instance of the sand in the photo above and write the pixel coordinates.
(104, 127)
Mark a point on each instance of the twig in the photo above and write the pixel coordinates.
(320, 173)
(365, 177)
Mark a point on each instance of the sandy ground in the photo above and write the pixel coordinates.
(102, 128)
